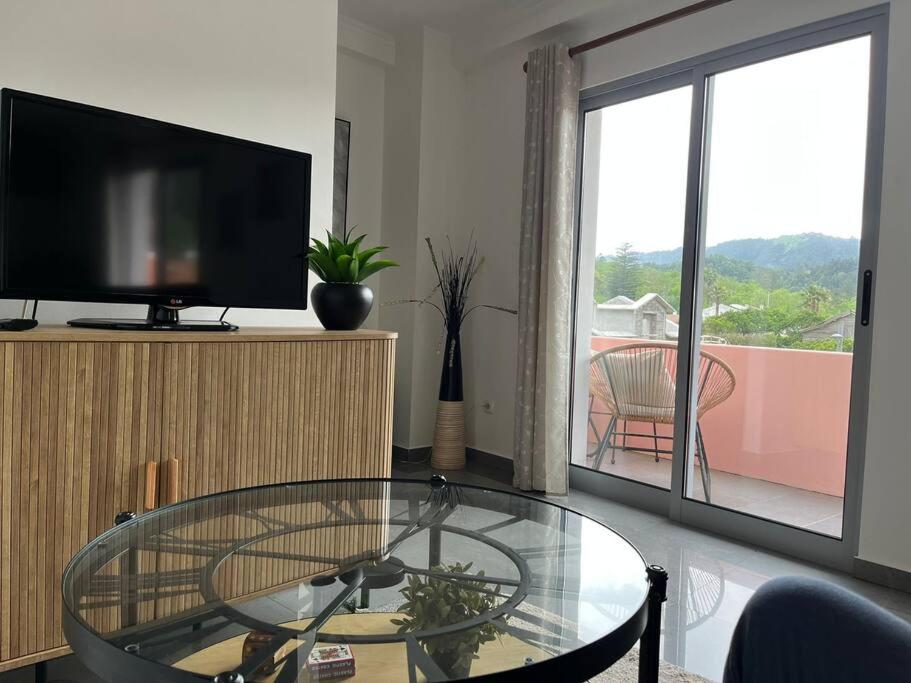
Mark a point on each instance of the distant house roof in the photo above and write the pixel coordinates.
(722, 309)
(829, 321)
(619, 303)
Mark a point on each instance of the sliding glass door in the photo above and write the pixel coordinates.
(727, 232)
(785, 148)
(634, 149)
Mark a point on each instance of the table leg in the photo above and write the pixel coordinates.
(436, 546)
(650, 643)
(129, 568)
(438, 484)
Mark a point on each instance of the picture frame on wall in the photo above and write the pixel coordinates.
(341, 161)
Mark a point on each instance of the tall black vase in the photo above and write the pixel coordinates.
(449, 434)
(451, 378)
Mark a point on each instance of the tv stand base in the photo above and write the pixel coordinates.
(159, 319)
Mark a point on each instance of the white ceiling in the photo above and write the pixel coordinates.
(455, 17)
(479, 27)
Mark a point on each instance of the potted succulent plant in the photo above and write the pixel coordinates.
(432, 602)
(341, 301)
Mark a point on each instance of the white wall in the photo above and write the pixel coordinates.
(401, 164)
(422, 197)
(496, 119)
(886, 504)
(262, 70)
(496, 96)
(441, 198)
(360, 99)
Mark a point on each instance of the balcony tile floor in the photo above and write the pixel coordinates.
(806, 509)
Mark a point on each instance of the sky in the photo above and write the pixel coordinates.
(787, 154)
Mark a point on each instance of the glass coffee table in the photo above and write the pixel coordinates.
(361, 579)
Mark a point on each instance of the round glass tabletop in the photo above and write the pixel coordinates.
(375, 580)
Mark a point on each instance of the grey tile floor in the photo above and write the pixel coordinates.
(808, 509)
(711, 578)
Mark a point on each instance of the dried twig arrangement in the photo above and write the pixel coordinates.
(454, 277)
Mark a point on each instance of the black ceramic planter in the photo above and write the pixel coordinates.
(341, 305)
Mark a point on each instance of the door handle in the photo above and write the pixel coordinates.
(173, 484)
(866, 298)
(151, 497)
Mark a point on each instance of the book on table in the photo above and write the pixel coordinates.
(335, 661)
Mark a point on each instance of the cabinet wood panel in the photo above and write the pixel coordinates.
(82, 413)
(248, 414)
(299, 533)
(67, 409)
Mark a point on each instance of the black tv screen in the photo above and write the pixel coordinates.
(103, 206)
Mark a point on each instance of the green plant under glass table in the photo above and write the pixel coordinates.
(368, 579)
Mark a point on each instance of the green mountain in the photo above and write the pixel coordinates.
(788, 252)
(787, 282)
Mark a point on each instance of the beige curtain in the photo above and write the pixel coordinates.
(545, 272)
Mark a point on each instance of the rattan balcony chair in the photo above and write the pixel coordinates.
(635, 383)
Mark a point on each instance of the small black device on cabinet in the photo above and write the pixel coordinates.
(21, 324)
(17, 324)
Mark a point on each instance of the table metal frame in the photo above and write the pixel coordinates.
(117, 657)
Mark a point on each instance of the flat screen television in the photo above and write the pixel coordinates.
(98, 205)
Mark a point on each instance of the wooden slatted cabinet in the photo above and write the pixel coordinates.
(83, 413)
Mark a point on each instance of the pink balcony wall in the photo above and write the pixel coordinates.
(786, 422)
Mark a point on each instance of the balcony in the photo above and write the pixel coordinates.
(776, 446)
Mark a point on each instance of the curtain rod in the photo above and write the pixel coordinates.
(643, 26)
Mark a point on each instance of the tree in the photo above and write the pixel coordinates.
(602, 277)
(716, 291)
(625, 274)
(815, 296)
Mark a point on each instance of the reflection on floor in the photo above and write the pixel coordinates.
(797, 507)
(711, 578)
